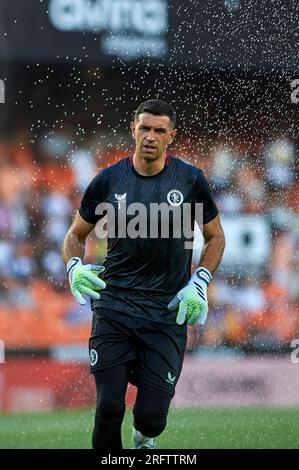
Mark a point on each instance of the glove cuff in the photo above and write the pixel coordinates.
(75, 261)
(204, 274)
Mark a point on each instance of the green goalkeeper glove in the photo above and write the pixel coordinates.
(84, 280)
(192, 301)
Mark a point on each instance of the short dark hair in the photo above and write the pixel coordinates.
(158, 108)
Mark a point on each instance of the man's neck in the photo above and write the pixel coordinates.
(148, 168)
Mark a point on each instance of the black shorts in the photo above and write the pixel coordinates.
(155, 350)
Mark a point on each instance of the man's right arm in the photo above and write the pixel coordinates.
(83, 278)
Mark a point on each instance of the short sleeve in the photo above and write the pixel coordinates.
(94, 194)
(203, 195)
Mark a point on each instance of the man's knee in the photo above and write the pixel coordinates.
(110, 409)
(149, 425)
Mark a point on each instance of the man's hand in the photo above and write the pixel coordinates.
(192, 300)
(84, 280)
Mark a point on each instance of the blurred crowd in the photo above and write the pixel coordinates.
(252, 305)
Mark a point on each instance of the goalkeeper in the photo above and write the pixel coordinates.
(143, 297)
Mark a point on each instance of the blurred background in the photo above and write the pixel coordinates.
(72, 73)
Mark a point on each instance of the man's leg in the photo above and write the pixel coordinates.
(111, 385)
(150, 414)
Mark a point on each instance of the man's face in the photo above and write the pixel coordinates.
(152, 134)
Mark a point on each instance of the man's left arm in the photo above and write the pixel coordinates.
(192, 300)
(214, 243)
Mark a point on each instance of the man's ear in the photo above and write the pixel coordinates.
(132, 127)
(172, 136)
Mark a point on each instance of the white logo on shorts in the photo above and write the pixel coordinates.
(175, 197)
(170, 379)
(93, 356)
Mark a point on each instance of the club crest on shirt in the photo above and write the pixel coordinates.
(175, 197)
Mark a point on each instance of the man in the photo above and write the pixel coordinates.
(144, 300)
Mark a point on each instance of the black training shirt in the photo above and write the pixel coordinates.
(143, 274)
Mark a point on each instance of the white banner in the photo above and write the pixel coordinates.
(231, 382)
